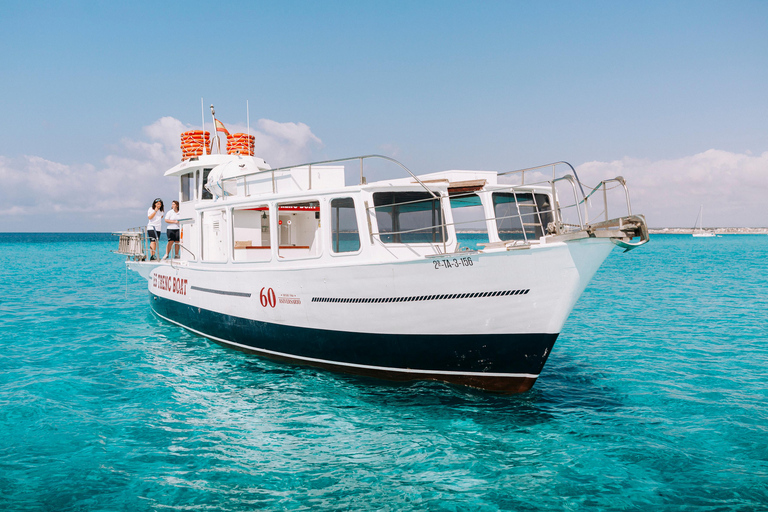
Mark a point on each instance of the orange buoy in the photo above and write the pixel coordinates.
(194, 142)
(241, 144)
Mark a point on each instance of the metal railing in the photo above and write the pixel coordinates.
(133, 243)
(181, 246)
(554, 165)
(523, 218)
(534, 217)
(324, 162)
(603, 184)
(560, 225)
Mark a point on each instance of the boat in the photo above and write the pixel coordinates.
(698, 229)
(459, 276)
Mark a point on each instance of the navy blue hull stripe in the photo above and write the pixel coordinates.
(220, 292)
(518, 355)
(417, 298)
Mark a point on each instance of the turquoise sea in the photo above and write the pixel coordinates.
(654, 398)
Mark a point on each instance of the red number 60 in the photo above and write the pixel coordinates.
(267, 299)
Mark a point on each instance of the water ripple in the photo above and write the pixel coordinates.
(654, 398)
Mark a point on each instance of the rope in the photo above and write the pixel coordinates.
(193, 142)
(241, 144)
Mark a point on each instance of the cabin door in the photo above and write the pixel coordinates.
(214, 236)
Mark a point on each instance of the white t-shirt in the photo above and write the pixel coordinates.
(171, 215)
(156, 221)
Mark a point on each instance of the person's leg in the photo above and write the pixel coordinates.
(152, 243)
(173, 241)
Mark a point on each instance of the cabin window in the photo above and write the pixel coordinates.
(187, 191)
(408, 217)
(251, 235)
(204, 194)
(298, 228)
(469, 220)
(345, 236)
(535, 213)
(214, 225)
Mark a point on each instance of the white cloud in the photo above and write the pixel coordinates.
(43, 195)
(732, 187)
(114, 194)
(283, 144)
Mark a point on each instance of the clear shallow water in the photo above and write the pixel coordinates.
(654, 398)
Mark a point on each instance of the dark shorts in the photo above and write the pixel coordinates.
(153, 235)
(173, 235)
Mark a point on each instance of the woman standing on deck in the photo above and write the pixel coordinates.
(172, 229)
(155, 216)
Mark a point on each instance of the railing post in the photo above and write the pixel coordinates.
(623, 182)
(576, 199)
(558, 215)
(362, 178)
(310, 176)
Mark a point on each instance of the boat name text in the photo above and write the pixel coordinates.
(170, 284)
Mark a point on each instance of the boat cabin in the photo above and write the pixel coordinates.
(236, 209)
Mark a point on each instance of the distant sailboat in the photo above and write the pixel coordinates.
(698, 229)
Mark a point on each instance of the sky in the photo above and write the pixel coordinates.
(673, 96)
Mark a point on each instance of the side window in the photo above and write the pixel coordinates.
(546, 212)
(469, 219)
(250, 229)
(204, 194)
(408, 217)
(345, 236)
(534, 215)
(298, 230)
(187, 190)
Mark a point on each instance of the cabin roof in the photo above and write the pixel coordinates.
(249, 164)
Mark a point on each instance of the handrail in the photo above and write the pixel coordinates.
(553, 164)
(570, 179)
(338, 160)
(144, 242)
(177, 244)
(520, 215)
(557, 210)
(602, 184)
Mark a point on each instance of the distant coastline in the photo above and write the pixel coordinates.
(687, 231)
(717, 231)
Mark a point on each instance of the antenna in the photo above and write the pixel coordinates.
(248, 117)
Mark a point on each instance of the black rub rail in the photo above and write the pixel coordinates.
(417, 298)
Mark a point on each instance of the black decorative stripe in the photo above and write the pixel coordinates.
(220, 292)
(418, 298)
(523, 353)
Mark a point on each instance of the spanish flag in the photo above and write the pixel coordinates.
(220, 127)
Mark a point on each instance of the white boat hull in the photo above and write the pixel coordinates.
(487, 320)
